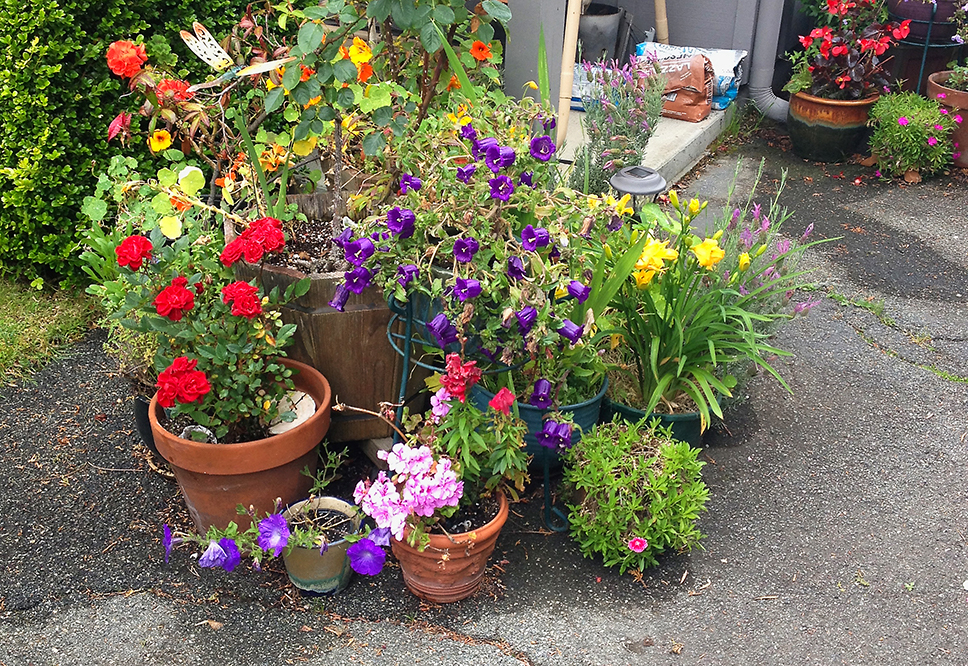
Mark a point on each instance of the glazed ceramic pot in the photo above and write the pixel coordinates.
(919, 13)
(685, 427)
(828, 130)
(451, 567)
(322, 573)
(956, 101)
(215, 478)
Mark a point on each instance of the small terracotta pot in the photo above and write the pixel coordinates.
(827, 130)
(328, 572)
(215, 478)
(450, 568)
(956, 101)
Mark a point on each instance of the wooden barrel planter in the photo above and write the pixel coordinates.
(350, 348)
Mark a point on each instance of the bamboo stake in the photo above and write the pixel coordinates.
(661, 22)
(568, 49)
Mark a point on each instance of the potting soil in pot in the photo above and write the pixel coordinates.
(473, 516)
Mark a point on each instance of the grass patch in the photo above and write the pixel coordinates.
(35, 325)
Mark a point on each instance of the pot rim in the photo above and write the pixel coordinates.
(864, 101)
(356, 517)
(574, 407)
(441, 542)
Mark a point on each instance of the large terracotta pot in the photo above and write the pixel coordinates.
(215, 478)
(450, 568)
(827, 130)
(956, 101)
(350, 347)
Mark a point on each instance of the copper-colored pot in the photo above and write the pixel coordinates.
(450, 568)
(827, 130)
(215, 478)
(956, 101)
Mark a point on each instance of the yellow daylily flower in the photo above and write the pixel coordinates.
(593, 202)
(674, 198)
(643, 278)
(695, 207)
(744, 261)
(531, 84)
(623, 207)
(760, 250)
(159, 140)
(654, 255)
(171, 226)
(360, 52)
(718, 235)
(708, 253)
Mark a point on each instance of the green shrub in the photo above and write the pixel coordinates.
(56, 100)
(911, 134)
(632, 482)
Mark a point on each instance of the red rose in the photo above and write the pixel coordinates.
(125, 58)
(233, 251)
(132, 251)
(175, 299)
(173, 89)
(267, 232)
(181, 381)
(238, 289)
(247, 306)
(502, 401)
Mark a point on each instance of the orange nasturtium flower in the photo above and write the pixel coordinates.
(360, 52)
(364, 71)
(481, 51)
(306, 73)
(454, 83)
(159, 140)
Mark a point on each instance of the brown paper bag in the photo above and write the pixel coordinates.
(689, 88)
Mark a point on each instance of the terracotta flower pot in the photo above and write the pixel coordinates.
(827, 130)
(214, 478)
(317, 573)
(450, 568)
(956, 101)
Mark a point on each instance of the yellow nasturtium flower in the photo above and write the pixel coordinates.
(360, 52)
(708, 253)
(744, 261)
(159, 140)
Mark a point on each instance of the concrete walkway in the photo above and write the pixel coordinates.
(837, 526)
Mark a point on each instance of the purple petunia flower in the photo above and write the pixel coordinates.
(502, 188)
(213, 556)
(443, 331)
(407, 273)
(464, 173)
(366, 557)
(401, 221)
(614, 224)
(532, 238)
(579, 291)
(516, 268)
(571, 331)
(345, 237)
(358, 279)
(465, 249)
(526, 178)
(480, 146)
(542, 147)
(464, 289)
(358, 251)
(273, 533)
(526, 317)
(498, 157)
(340, 297)
(408, 182)
(166, 541)
(541, 395)
(380, 536)
(468, 132)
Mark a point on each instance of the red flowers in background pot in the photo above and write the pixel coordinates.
(260, 237)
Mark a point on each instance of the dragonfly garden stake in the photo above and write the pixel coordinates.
(208, 49)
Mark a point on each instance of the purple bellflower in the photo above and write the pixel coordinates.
(465, 249)
(401, 221)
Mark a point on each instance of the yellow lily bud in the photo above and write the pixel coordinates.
(760, 250)
(694, 207)
(532, 85)
(608, 251)
(744, 261)
(718, 235)
(674, 199)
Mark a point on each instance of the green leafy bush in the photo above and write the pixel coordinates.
(911, 134)
(638, 493)
(56, 100)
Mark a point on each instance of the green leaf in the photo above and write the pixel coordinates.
(373, 143)
(291, 114)
(377, 96)
(293, 73)
(382, 116)
(274, 99)
(193, 181)
(497, 10)
(94, 208)
(458, 68)
(166, 177)
(161, 204)
(310, 36)
(430, 38)
(317, 13)
(345, 71)
(485, 32)
(544, 78)
(378, 9)
(403, 11)
(444, 14)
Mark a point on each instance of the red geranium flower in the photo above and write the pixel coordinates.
(125, 58)
(175, 299)
(132, 252)
(173, 89)
(502, 401)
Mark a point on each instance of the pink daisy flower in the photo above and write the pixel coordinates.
(932, 141)
(902, 121)
(638, 544)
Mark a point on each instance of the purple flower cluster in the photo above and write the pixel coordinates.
(554, 435)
